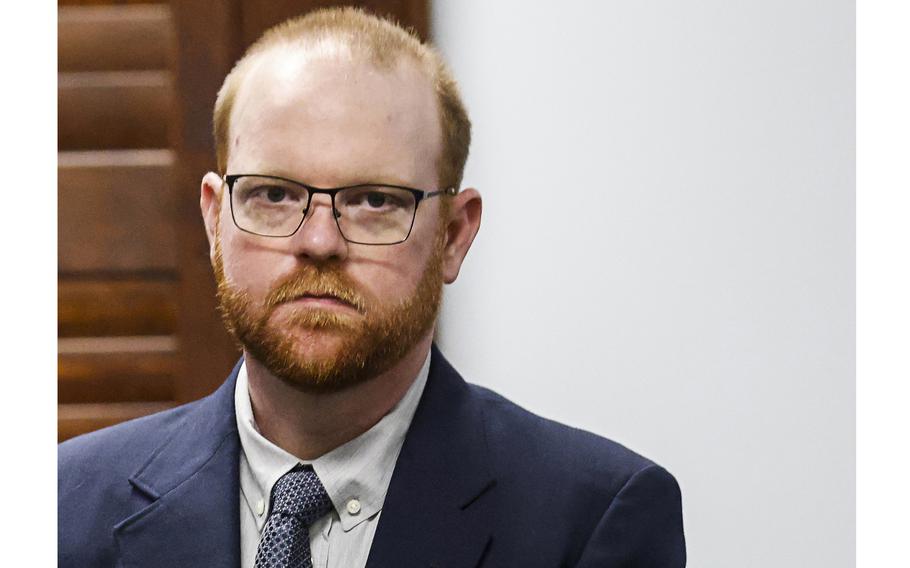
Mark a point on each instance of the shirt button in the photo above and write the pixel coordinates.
(260, 507)
(353, 506)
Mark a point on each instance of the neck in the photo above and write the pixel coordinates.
(308, 425)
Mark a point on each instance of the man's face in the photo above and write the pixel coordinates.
(316, 310)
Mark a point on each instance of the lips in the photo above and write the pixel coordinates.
(327, 299)
(320, 297)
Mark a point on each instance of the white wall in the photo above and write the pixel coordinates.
(666, 256)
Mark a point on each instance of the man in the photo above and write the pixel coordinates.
(343, 437)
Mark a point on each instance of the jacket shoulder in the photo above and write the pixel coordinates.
(556, 451)
(612, 505)
(125, 446)
(93, 488)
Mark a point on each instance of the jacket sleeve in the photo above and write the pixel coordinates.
(642, 527)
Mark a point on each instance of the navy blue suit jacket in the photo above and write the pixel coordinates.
(479, 482)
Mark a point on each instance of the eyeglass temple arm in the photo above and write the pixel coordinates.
(446, 191)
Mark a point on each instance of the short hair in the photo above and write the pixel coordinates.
(383, 43)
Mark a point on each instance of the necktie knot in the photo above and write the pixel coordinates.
(299, 493)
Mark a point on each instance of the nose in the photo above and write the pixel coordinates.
(319, 238)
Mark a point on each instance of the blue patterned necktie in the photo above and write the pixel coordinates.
(298, 499)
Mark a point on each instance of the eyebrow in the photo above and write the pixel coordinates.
(360, 181)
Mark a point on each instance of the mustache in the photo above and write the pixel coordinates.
(316, 281)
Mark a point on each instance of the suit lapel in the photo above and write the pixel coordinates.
(436, 512)
(439, 500)
(192, 483)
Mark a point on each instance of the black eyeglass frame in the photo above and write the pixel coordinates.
(419, 195)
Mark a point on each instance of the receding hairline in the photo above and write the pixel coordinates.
(330, 50)
(346, 33)
(353, 34)
(325, 46)
(296, 72)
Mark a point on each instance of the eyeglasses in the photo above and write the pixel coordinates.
(367, 214)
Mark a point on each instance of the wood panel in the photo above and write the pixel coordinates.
(116, 212)
(113, 110)
(117, 261)
(114, 38)
(105, 369)
(75, 419)
(208, 45)
(116, 307)
(101, 2)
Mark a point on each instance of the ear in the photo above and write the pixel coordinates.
(463, 224)
(210, 203)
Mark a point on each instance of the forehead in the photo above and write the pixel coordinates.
(335, 119)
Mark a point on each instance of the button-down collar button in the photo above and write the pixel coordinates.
(260, 507)
(353, 507)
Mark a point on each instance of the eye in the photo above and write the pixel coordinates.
(376, 199)
(275, 194)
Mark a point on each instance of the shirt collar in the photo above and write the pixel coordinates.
(359, 469)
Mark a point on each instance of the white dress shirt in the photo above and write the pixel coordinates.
(355, 475)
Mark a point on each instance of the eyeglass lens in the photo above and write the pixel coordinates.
(370, 214)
